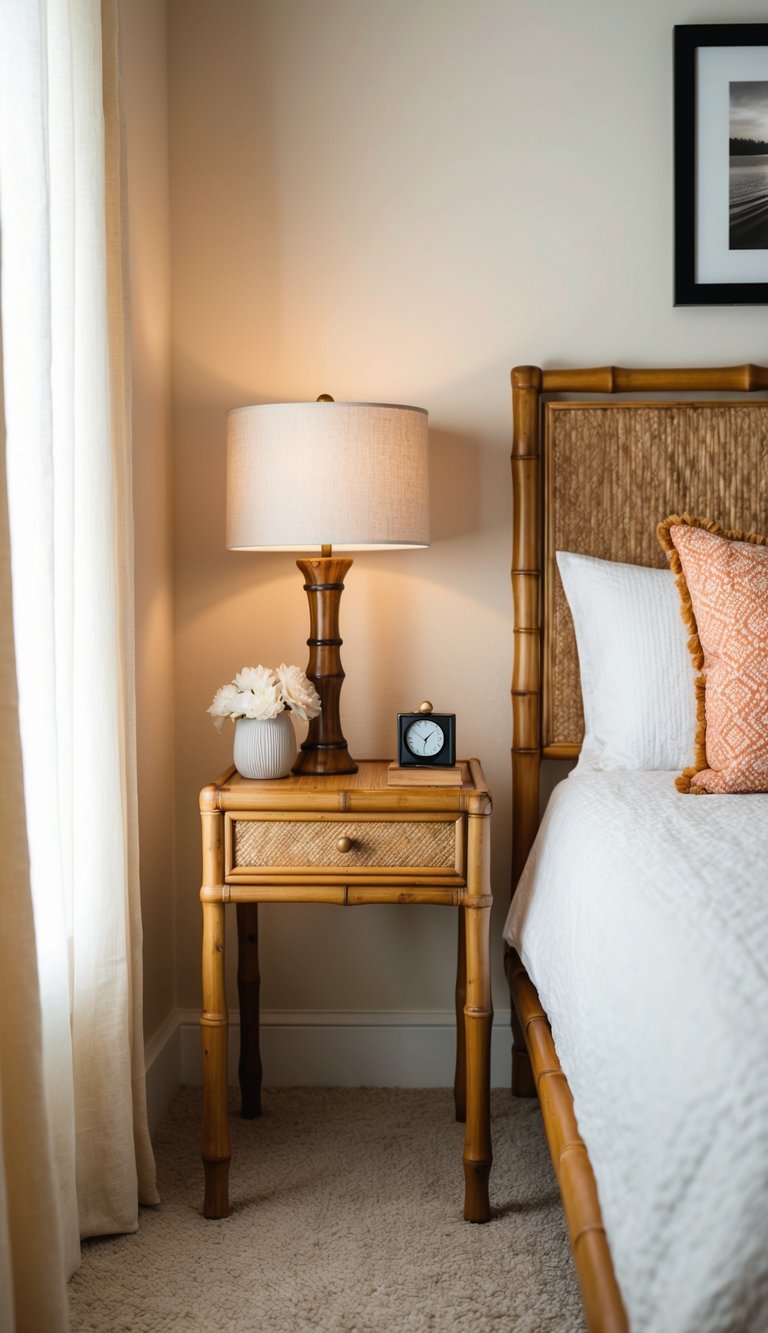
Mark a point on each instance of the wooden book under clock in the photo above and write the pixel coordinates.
(412, 775)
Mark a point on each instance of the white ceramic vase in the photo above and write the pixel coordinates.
(265, 748)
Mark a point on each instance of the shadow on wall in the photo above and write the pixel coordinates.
(454, 486)
(456, 511)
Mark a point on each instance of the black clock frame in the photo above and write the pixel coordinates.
(445, 757)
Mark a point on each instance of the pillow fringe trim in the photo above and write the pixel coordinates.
(684, 782)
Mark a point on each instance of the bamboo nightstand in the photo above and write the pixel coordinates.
(348, 840)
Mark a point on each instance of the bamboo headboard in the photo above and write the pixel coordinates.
(596, 477)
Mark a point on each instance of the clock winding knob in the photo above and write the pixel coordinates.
(344, 845)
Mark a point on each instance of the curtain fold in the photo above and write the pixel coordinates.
(118, 315)
(32, 1277)
(68, 461)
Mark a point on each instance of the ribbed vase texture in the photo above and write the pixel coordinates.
(265, 749)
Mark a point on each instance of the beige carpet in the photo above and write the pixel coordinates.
(346, 1216)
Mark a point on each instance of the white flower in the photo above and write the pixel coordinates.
(226, 703)
(264, 701)
(255, 678)
(261, 692)
(298, 692)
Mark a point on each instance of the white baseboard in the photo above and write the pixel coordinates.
(162, 1065)
(325, 1048)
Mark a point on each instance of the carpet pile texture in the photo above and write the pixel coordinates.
(346, 1215)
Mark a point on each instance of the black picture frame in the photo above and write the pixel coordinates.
(688, 39)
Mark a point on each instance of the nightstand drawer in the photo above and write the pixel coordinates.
(421, 846)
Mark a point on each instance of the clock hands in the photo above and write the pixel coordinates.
(426, 740)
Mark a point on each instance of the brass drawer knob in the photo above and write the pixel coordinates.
(344, 845)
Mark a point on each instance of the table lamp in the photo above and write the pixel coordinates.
(326, 477)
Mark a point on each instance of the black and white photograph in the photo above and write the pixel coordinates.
(721, 164)
(748, 166)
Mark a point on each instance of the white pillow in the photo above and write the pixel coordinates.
(636, 672)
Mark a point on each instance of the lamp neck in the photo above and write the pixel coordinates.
(324, 752)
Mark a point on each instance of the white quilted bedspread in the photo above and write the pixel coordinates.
(642, 919)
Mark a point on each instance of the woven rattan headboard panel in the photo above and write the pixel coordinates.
(612, 472)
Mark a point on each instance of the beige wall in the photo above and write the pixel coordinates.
(397, 201)
(143, 43)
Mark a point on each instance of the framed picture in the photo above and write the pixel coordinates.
(721, 164)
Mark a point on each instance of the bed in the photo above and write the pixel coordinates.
(637, 937)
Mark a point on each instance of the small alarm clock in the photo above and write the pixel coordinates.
(426, 739)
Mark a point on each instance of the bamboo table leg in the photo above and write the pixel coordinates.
(478, 1017)
(213, 1028)
(460, 1077)
(248, 988)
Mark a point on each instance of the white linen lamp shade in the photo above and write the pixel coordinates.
(305, 475)
(318, 476)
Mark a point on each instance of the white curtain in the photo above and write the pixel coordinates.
(69, 503)
(32, 1278)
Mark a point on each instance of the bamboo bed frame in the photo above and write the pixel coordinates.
(595, 477)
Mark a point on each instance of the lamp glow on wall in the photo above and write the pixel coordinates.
(326, 477)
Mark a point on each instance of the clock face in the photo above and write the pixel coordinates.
(424, 738)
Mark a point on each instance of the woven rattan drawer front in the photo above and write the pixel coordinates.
(410, 844)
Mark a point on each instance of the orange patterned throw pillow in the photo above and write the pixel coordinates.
(723, 583)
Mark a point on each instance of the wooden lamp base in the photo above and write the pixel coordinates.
(324, 753)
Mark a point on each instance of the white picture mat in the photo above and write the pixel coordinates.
(716, 68)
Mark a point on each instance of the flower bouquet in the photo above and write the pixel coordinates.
(261, 693)
(259, 701)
